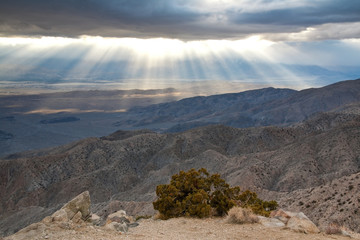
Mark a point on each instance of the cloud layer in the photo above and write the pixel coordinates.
(184, 19)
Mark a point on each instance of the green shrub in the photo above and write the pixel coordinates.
(197, 194)
(249, 199)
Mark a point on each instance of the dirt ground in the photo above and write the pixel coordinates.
(180, 228)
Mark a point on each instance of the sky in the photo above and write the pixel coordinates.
(72, 44)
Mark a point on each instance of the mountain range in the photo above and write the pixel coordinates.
(262, 107)
(309, 162)
(30, 122)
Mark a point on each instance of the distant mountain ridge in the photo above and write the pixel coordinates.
(99, 113)
(262, 107)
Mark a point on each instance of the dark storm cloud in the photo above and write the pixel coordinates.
(92, 17)
(187, 19)
(336, 11)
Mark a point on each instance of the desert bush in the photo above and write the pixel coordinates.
(194, 193)
(241, 215)
(249, 199)
(199, 194)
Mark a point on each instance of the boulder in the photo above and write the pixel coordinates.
(270, 222)
(281, 215)
(80, 203)
(120, 213)
(60, 216)
(119, 221)
(115, 226)
(302, 224)
(77, 218)
(95, 219)
(79, 207)
(121, 217)
(296, 221)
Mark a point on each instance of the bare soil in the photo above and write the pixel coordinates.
(180, 228)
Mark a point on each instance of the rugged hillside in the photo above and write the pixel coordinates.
(338, 199)
(261, 107)
(127, 166)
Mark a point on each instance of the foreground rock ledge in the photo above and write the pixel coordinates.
(74, 221)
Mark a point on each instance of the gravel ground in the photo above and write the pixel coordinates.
(180, 228)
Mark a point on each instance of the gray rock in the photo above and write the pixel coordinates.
(95, 219)
(120, 227)
(281, 215)
(270, 222)
(120, 219)
(79, 207)
(80, 203)
(77, 218)
(60, 216)
(120, 213)
(301, 224)
(131, 225)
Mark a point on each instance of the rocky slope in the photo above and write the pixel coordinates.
(338, 199)
(127, 166)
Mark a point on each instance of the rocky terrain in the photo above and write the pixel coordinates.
(180, 229)
(75, 221)
(312, 166)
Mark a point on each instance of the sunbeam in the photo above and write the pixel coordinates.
(160, 62)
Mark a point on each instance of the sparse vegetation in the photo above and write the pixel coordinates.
(199, 194)
(241, 215)
(249, 199)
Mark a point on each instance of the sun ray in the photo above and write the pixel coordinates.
(150, 63)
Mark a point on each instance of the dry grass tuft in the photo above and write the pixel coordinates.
(240, 215)
(158, 216)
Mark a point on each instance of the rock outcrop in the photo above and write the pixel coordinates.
(77, 209)
(296, 221)
(73, 215)
(271, 222)
(302, 224)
